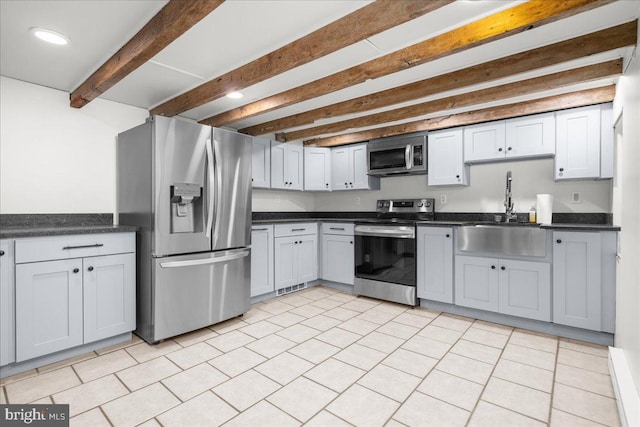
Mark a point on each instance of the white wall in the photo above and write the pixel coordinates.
(626, 212)
(283, 201)
(486, 192)
(54, 158)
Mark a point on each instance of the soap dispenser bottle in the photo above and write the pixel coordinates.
(532, 214)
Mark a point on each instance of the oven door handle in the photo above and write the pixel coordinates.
(395, 234)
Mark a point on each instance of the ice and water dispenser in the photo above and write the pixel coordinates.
(187, 208)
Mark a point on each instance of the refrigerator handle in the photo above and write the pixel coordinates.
(210, 195)
(218, 195)
(187, 263)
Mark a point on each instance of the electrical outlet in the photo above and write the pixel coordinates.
(443, 199)
(357, 200)
(576, 197)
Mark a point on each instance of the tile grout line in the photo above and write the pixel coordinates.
(553, 383)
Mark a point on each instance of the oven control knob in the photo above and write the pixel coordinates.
(380, 204)
(420, 204)
(386, 204)
(427, 203)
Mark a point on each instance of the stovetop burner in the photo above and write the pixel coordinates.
(403, 211)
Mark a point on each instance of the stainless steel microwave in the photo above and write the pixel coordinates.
(398, 155)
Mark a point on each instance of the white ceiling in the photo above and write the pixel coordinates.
(240, 31)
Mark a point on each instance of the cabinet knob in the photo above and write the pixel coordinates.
(351, 242)
(493, 267)
(90, 268)
(326, 185)
(499, 149)
(503, 268)
(251, 179)
(558, 241)
(75, 270)
(1, 253)
(458, 176)
(561, 169)
(447, 235)
(509, 149)
(351, 184)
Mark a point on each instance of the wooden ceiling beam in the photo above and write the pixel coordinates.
(545, 56)
(542, 105)
(523, 17)
(510, 90)
(173, 20)
(357, 26)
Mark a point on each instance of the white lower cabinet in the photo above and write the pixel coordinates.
(48, 307)
(435, 263)
(295, 254)
(261, 260)
(7, 303)
(338, 253)
(577, 283)
(519, 288)
(63, 303)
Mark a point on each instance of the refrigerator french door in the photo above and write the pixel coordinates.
(188, 189)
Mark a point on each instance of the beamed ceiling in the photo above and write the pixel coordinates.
(325, 72)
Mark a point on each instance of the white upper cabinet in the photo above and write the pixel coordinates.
(484, 142)
(287, 165)
(349, 169)
(261, 163)
(317, 169)
(446, 158)
(578, 143)
(585, 143)
(531, 136)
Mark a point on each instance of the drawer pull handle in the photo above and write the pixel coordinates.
(297, 229)
(90, 268)
(260, 229)
(75, 270)
(97, 245)
(336, 228)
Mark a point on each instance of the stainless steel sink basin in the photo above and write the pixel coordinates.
(503, 239)
(504, 224)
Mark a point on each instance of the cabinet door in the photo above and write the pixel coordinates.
(278, 171)
(578, 143)
(525, 289)
(484, 142)
(7, 301)
(317, 169)
(340, 171)
(577, 279)
(48, 307)
(109, 296)
(307, 258)
(286, 267)
(295, 167)
(435, 263)
(261, 260)
(358, 160)
(261, 163)
(476, 282)
(338, 258)
(531, 136)
(446, 158)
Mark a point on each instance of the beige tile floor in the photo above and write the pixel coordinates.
(320, 357)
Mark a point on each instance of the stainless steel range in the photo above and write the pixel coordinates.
(385, 250)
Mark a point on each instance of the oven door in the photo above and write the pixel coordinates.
(385, 262)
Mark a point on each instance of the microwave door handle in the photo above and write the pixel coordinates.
(407, 156)
(210, 183)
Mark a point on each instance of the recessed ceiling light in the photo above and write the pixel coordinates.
(50, 36)
(235, 95)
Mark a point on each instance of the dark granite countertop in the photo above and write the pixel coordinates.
(561, 221)
(37, 225)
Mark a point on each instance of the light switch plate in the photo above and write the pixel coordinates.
(576, 197)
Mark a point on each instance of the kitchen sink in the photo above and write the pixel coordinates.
(525, 239)
(503, 224)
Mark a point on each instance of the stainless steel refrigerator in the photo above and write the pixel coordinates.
(188, 189)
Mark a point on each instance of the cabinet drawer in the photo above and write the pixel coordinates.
(73, 246)
(337, 228)
(296, 229)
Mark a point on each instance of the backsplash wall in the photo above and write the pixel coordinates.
(485, 194)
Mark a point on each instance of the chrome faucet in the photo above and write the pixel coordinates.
(510, 213)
